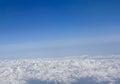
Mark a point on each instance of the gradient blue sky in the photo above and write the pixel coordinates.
(51, 28)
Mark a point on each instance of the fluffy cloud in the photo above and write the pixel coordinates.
(60, 71)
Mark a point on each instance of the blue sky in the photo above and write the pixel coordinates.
(51, 28)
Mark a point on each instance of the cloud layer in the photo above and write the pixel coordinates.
(60, 71)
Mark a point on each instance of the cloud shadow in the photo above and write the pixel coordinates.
(86, 80)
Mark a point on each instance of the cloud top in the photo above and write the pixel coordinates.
(64, 71)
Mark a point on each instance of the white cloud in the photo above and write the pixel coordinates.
(64, 70)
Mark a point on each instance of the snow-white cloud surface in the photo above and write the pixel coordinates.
(63, 71)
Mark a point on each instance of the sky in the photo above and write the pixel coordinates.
(58, 28)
